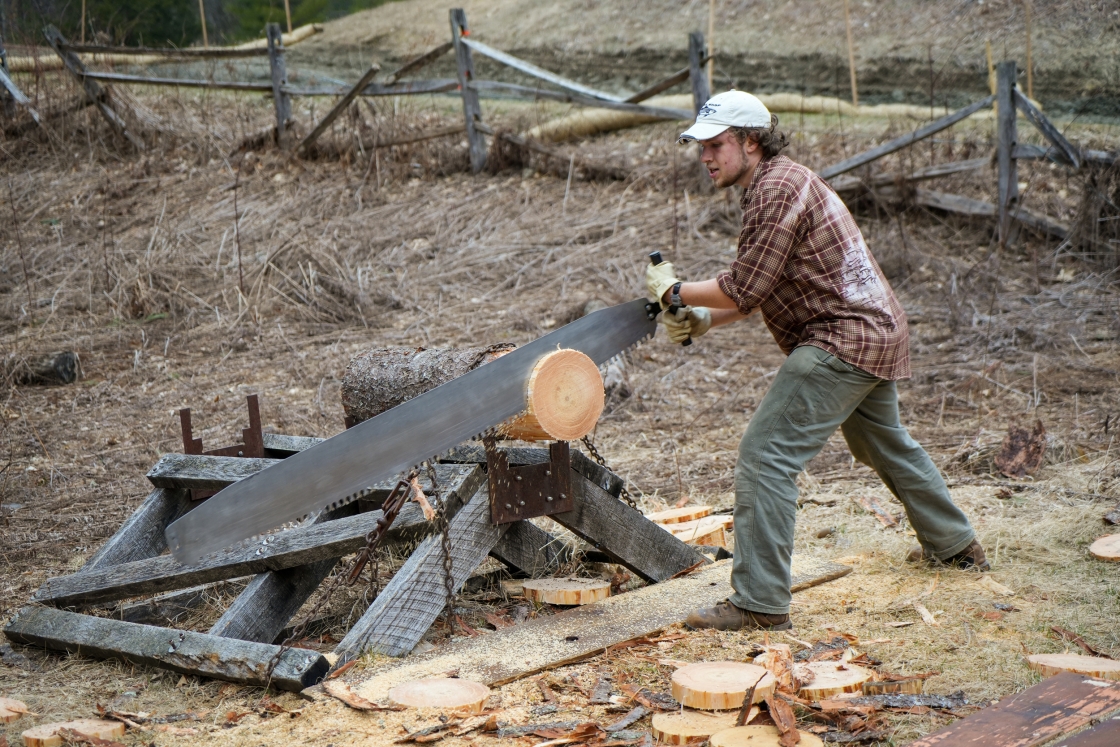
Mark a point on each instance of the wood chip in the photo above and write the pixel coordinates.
(927, 616)
(342, 691)
(995, 587)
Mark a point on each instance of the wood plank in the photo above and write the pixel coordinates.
(701, 91)
(420, 61)
(534, 94)
(339, 107)
(294, 547)
(607, 481)
(573, 635)
(225, 85)
(279, 74)
(901, 142)
(141, 535)
(850, 183)
(527, 549)
(8, 85)
(537, 72)
(1104, 734)
(662, 85)
(279, 446)
(203, 472)
(212, 53)
(472, 110)
(182, 651)
(1028, 152)
(1008, 178)
(1047, 128)
(414, 598)
(1053, 707)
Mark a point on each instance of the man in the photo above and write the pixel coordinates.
(803, 263)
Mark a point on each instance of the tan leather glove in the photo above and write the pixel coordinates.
(689, 321)
(659, 279)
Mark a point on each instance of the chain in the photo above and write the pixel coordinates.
(623, 493)
(444, 527)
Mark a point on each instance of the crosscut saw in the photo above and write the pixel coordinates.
(343, 467)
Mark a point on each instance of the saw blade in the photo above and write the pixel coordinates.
(343, 467)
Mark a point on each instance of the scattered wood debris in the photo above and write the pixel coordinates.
(873, 507)
(1077, 640)
(341, 691)
(1022, 450)
(11, 709)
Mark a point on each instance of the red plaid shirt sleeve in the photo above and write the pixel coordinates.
(768, 237)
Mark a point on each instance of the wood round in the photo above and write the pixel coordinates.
(1094, 666)
(563, 399)
(720, 685)
(11, 709)
(829, 679)
(441, 692)
(680, 726)
(47, 735)
(677, 515)
(903, 687)
(566, 591)
(759, 736)
(1106, 548)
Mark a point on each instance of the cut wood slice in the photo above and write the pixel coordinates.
(759, 736)
(706, 536)
(720, 685)
(1106, 548)
(566, 591)
(441, 692)
(563, 399)
(904, 687)
(833, 678)
(11, 709)
(1094, 666)
(677, 515)
(48, 735)
(679, 728)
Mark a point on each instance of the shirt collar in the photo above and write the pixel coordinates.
(763, 166)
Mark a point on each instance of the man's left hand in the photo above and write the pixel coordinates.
(689, 321)
(659, 279)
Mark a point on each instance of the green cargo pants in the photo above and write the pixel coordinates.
(814, 393)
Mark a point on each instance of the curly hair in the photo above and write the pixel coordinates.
(770, 139)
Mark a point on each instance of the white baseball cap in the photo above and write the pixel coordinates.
(729, 109)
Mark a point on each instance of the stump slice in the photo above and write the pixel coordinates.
(759, 736)
(830, 679)
(441, 692)
(901, 687)
(1106, 548)
(48, 735)
(720, 685)
(563, 399)
(11, 709)
(571, 592)
(677, 515)
(680, 727)
(1094, 666)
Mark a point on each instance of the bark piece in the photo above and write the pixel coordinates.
(1106, 548)
(10, 710)
(48, 735)
(53, 368)
(759, 736)
(681, 727)
(679, 515)
(566, 591)
(720, 685)
(1022, 450)
(563, 399)
(1094, 666)
(442, 692)
(833, 678)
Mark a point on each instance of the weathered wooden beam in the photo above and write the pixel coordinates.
(17, 95)
(607, 481)
(529, 550)
(1008, 178)
(852, 183)
(472, 110)
(537, 72)
(141, 535)
(278, 446)
(294, 547)
(698, 77)
(213, 53)
(534, 94)
(225, 85)
(338, 108)
(182, 651)
(967, 206)
(1047, 128)
(279, 75)
(901, 142)
(1027, 152)
(418, 62)
(410, 603)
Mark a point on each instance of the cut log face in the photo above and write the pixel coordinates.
(1094, 666)
(441, 692)
(901, 687)
(677, 515)
(11, 709)
(563, 399)
(759, 736)
(720, 685)
(1106, 548)
(48, 735)
(566, 591)
(833, 678)
(679, 728)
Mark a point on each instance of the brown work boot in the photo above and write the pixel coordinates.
(970, 558)
(726, 616)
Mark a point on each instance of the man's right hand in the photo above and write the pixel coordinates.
(689, 321)
(659, 279)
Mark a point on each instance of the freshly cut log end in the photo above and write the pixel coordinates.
(679, 728)
(442, 692)
(566, 591)
(901, 687)
(48, 735)
(1106, 548)
(678, 515)
(759, 736)
(563, 399)
(11, 709)
(708, 530)
(1094, 666)
(720, 685)
(833, 678)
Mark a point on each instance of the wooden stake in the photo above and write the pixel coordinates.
(288, 13)
(720, 685)
(1093, 666)
(201, 17)
(991, 67)
(711, 42)
(563, 399)
(566, 591)
(759, 736)
(851, 54)
(1030, 66)
(441, 692)
(82, 33)
(48, 735)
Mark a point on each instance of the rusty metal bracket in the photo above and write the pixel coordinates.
(531, 490)
(252, 445)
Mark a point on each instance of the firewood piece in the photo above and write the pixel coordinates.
(678, 515)
(1106, 548)
(441, 692)
(707, 536)
(563, 399)
(680, 727)
(833, 678)
(54, 368)
(758, 736)
(11, 709)
(1094, 666)
(48, 735)
(904, 687)
(571, 592)
(720, 685)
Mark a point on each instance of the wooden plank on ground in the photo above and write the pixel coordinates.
(294, 547)
(527, 549)
(141, 536)
(968, 206)
(411, 602)
(1056, 706)
(182, 651)
(578, 634)
(1104, 734)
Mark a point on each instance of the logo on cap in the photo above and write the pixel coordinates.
(707, 109)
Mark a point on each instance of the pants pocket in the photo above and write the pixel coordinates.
(813, 397)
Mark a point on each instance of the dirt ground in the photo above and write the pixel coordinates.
(137, 262)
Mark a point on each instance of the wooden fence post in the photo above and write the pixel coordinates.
(472, 110)
(7, 100)
(1006, 132)
(701, 92)
(280, 98)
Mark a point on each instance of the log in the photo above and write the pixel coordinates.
(679, 728)
(1106, 548)
(1094, 666)
(1105, 734)
(563, 399)
(759, 736)
(720, 685)
(442, 692)
(10, 710)
(50, 735)
(51, 368)
(528, 550)
(678, 515)
(833, 678)
(570, 592)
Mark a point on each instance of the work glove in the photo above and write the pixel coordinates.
(689, 321)
(659, 279)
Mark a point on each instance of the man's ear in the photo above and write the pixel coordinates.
(750, 146)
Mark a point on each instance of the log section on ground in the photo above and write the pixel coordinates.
(901, 687)
(833, 678)
(678, 515)
(566, 591)
(441, 692)
(49, 735)
(1056, 706)
(720, 685)
(1106, 548)
(53, 368)
(181, 651)
(581, 632)
(1094, 666)
(563, 399)
(11, 709)
(759, 736)
(680, 727)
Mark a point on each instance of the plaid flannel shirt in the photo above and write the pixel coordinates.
(802, 261)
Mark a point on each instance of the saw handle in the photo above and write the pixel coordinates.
(655, 258)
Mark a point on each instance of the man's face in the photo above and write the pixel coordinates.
(728, 161)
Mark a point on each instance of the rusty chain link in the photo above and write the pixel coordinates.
(623, 493)
(444, 527)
